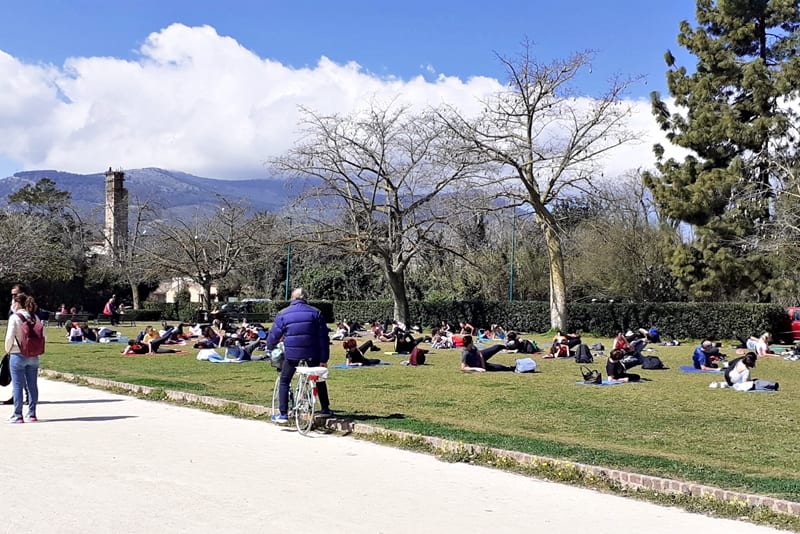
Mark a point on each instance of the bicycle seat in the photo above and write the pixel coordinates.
(321, 373)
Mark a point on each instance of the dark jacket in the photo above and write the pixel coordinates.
(304, 332)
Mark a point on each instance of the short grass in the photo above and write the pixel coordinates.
(672, 425)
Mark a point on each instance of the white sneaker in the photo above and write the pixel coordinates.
(723, 385)
(713, 385)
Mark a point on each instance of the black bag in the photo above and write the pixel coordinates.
(5, 371)
(652, 362)
(583, 354)
(591, 376)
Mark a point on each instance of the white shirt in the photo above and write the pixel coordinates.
(14, 331)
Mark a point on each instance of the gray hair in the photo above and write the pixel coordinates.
(300, 293)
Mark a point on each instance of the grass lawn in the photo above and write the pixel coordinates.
(673, 425)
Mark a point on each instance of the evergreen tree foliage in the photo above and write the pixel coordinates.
(733, 114)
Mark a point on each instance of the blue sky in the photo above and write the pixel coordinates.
(388, 40)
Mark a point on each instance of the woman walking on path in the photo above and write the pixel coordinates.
(24, 369)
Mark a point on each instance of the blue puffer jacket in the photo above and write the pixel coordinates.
(304, 332)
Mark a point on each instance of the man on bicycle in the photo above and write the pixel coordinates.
(305, 337)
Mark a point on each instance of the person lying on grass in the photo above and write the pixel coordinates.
(475, 361)
(137, 347)
(616, 370)
(354, 354)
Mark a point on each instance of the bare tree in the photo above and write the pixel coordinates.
(550, 139)
(205, 249)
(28, 250)
(381, 181)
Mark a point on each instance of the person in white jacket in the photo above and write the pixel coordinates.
(24, 369)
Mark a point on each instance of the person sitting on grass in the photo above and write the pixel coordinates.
(441, 340)
(379, 332)
(153, 339)
(354, 354)
(705, 356)
(465, 329)
(76, 334)
(616, 370)
(737, 375)
(476, 361)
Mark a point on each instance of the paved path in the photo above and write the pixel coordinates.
(100, 463)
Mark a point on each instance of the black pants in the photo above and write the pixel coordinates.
(288, 369)
(488, 353)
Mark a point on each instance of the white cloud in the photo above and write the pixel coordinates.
(199, 102)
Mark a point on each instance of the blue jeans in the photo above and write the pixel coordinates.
(24, 373)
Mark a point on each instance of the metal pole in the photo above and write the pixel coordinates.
(288, 263)
(513, 258)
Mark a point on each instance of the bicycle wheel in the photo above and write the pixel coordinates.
(276, 397)
(304, 407)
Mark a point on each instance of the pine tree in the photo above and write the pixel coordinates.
(733, 118)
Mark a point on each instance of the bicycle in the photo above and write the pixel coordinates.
(303, 397)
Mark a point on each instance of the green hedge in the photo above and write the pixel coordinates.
(673, 319)
(187, 311)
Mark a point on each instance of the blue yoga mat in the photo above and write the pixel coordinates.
(604, 383)
(691, 369)
(345, 366)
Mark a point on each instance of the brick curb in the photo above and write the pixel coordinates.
(625, 479)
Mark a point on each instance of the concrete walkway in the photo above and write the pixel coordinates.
(99, 463)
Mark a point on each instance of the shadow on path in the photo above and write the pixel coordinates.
(90, 419)
(79, 401)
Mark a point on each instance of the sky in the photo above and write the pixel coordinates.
(213, 88)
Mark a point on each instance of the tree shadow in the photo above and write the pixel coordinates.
(90, 419)
(80, 401)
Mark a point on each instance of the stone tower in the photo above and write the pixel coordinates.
(116, 227)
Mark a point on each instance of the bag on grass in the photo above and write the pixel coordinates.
(583, 354)
(525, 365)
(591, 376)
(652, 362)
(5, 371)
(31, 343)
(417, 356)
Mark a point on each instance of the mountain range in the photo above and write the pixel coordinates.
(178, 193)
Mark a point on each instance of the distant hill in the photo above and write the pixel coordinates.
(179, 193)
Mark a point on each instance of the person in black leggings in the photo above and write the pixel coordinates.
(355, 353)
(474, 360)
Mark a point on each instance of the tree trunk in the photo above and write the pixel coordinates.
(397, 285)
(207, 295)
(135, 296)
(558, 284)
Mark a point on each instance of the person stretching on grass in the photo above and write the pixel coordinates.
(475, 361)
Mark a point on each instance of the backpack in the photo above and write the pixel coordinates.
(591, 376)
(417, 356)
(32, 342)
(652, 362)
(598, 346)
(583, 354)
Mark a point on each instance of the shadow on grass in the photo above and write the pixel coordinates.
(347, 421)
